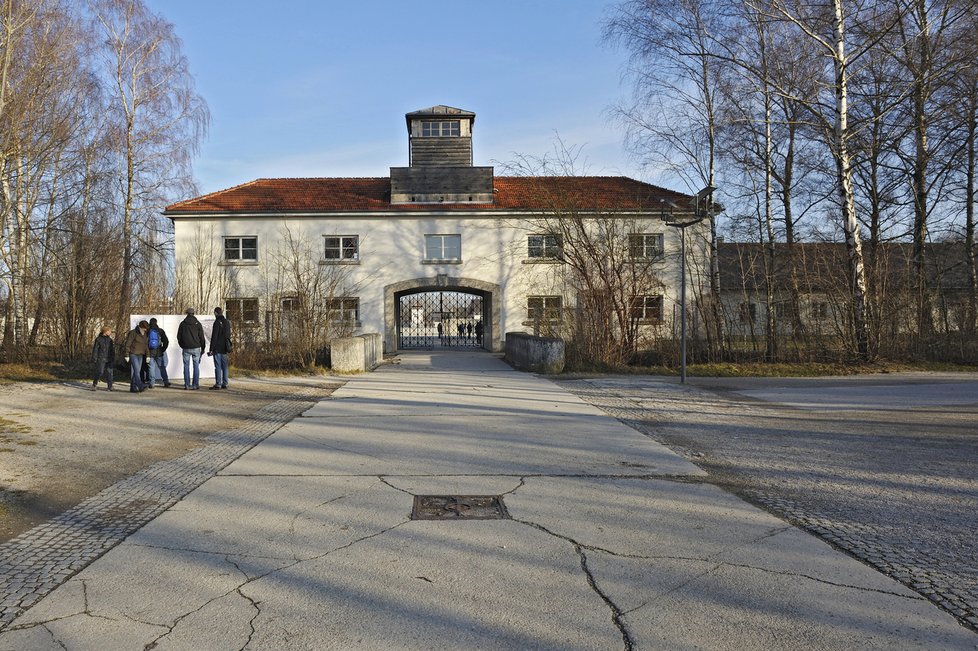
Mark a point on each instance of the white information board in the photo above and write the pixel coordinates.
(174, 355)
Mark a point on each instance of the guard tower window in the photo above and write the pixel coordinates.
(440, 128)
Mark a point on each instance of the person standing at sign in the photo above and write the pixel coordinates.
(220, 347)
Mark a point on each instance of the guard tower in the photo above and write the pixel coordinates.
(440, 158)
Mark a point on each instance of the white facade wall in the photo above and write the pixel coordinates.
(392, 250)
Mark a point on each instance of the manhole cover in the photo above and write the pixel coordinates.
(459, 507)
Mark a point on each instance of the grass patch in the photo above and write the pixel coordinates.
(8, 426)
(307, 371)
(10, 373)
(764, 369)
(45, 371)
(760, 369)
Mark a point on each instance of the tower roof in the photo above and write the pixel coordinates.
(440, 111)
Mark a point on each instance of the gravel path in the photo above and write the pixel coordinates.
(894, 487)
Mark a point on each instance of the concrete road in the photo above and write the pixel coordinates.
(880, 466)
(612, 541)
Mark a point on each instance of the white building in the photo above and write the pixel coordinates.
(438, 242)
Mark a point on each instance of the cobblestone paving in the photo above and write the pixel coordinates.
(38, 561)
(891, 494)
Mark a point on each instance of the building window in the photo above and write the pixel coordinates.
(647, 308)
(543, 308)
(291, 304)
(242, 310)
(342, 248)
(645, 246)
(544, 247)
(440, 128)
(443, 247)
(344, 310)
(784, 309)
(820, 311)
(748, 312)
(240, 249)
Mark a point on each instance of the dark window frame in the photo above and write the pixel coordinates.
(544, 246)
(544, 309)
(345, 247)
(441, 128)
(646, 246)
(442, 238)
(242, 310)
(341, 308)
(648, 308)
(241, 248)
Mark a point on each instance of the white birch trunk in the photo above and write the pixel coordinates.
(850, 225)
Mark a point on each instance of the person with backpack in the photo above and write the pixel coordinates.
(158, 342)
(190, 338)
(220, 347)
(136, 347)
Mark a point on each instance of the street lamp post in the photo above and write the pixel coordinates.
(700, 213)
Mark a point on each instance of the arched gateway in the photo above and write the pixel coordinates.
(414, 308)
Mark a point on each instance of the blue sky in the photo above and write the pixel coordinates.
(320, 88)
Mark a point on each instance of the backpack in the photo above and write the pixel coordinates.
(154, 338)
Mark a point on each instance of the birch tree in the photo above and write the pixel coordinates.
(826, 25)
(159, 122)
(43, 84)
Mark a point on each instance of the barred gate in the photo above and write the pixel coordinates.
(440, 320)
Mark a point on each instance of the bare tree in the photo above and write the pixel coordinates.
(201, 279)
(159, 122)
(605, 258)
(674, 119)
(922, 50)
(305, 299)
(43, 89)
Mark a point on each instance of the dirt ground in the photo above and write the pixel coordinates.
(61, 443)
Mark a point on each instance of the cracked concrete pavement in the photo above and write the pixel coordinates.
(614, 541)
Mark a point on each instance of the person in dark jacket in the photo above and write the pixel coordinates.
(157, 355)
(137, 347)
(220, 347)
(103, 355)
(190, 338)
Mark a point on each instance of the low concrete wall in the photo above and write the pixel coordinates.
(373, 350)
(356, 354)
(536, 354)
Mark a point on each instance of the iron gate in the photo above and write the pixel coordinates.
(440, 320)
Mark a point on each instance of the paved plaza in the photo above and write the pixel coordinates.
(312, 537)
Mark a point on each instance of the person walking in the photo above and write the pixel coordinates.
(103, 355)
(479, 329)
(441, 333)
(219, 348)
(137, 346)
(158, 343)
(190, 338)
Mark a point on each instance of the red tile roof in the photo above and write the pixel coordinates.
(325, 195)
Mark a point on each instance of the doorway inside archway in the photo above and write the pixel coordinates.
(441, 319)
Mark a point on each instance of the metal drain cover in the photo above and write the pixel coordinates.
(459, 507)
